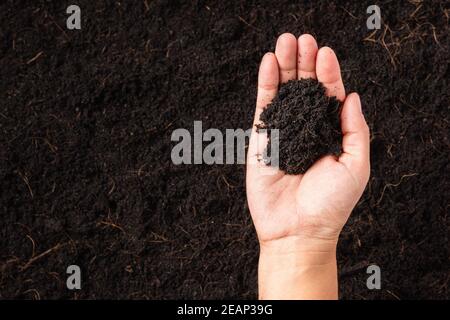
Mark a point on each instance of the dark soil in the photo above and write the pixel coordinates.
(308, 125)
(86, 118)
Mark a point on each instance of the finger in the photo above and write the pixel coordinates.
(329, 73)
(307, 53)
(268, 80)
(286, 53)
(356, 139)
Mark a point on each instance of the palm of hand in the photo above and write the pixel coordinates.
(319, 202)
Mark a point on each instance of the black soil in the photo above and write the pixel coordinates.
(86, 119)
(307, 122)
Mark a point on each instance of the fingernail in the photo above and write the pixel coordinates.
(267, 54)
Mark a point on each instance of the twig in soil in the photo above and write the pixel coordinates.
(370, 37)
(248, 24)
(33, 252)
(415, 109)
(182, 229)
(52, 147)
(393, 294)
(55, 275)
(37, 296)
(230, 186)
(158, 238)
(349, 13)
(236, 225)
(446, 11)
(40, 256)
(58, 26)
(354, 269)
(394, 185)
(169, 46)
(35, 57)
(25, 179)
(415, 11)
(147, 8)
(383, 42)
(433, 28)
(113, 225)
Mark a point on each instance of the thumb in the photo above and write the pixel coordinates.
(356, 139)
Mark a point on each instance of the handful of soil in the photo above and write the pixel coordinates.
(308, 123)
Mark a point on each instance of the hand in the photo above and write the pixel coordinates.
(305, 213)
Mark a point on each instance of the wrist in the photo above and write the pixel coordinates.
(312, 250)
(295, 268)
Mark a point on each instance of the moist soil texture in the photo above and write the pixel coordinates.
(307, 122)
(86, 118)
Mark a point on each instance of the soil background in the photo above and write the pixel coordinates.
(86, 118)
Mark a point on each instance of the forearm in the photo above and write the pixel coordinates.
(292, 269)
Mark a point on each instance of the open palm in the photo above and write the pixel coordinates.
(319, 202)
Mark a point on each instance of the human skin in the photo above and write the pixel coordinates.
(298, 218)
